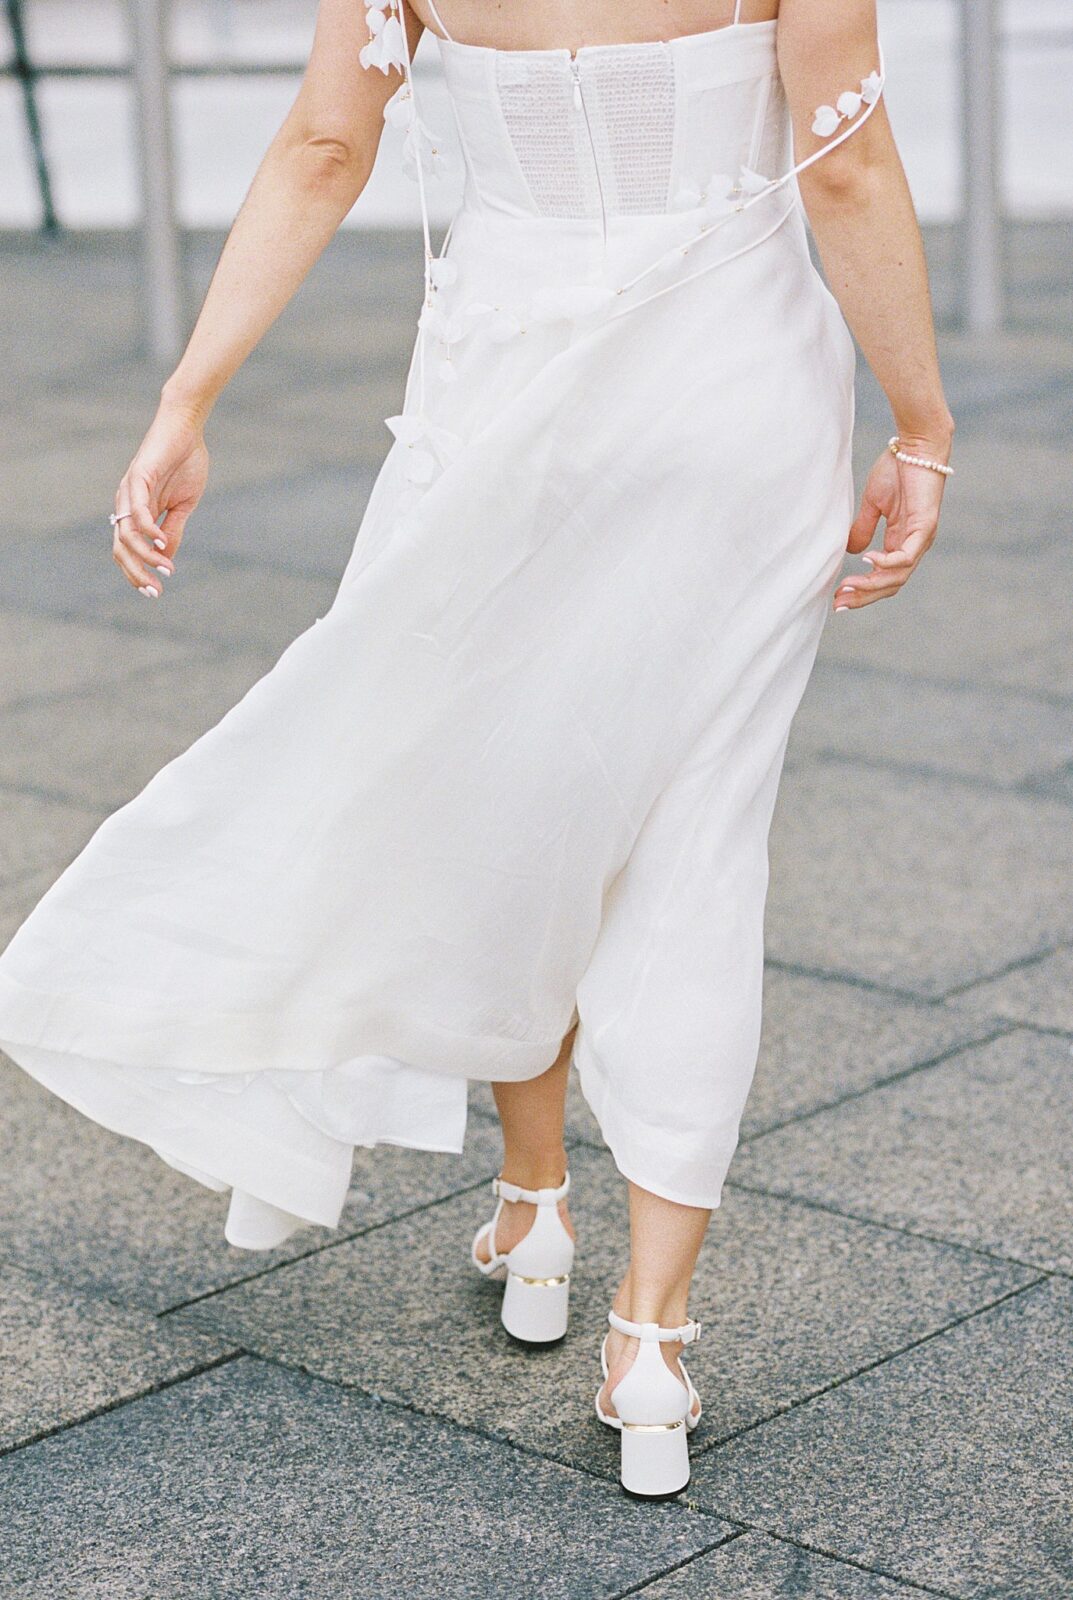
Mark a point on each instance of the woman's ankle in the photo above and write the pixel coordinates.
(668, 1307)
(534, 1169)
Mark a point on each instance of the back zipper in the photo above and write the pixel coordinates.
(580, 105)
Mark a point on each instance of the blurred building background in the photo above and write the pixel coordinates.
(237, 63)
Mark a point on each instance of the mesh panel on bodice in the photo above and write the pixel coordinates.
(604, 122)
(548, 134)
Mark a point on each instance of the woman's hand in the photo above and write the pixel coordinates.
(908, 498)
(167, 477)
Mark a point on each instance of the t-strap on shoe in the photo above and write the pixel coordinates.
(655, 1411)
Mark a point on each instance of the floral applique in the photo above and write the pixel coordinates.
(387, 45)
(419, 143)
(828, 119)
(429, 447)
(715, 197)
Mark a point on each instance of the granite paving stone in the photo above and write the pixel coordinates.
(1003, 511)
(240, 607)
(933, 629)
(756, 1567)
(996, 736)
(1040, 993)
(791, 1300)
(211, 600)
(1056, 785)
(823, 1039)
(18, 896)
(974, 1150)
(252, 1481)
(40, 657)
(136, 1230)
(41, 834)
(917, 884)
(104, 745)
(272, 521)
(948, 1466)
(64, 1356)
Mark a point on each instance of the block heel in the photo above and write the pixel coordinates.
(536, 1310)
(654, 1463)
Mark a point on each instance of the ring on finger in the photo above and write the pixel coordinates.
(116, 517)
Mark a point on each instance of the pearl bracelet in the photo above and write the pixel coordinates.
(917, 461)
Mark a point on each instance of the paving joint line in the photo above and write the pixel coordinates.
(677, 1566)
(232, 643)
(800, 969)
(952, 1051)
(488, 1435)
(739, 1527)
(895, 1227)
(331, 1244)
(828, 755)
(121, 1401)
(913, 680)
(871, 1366)
(1018, 964)
(860, 1566)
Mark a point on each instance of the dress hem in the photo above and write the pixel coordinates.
(257, 1041)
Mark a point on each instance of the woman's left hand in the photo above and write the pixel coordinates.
(908, 498)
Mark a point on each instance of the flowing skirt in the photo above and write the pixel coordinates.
(520, 774)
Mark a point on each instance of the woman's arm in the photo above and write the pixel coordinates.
(866, 231)
(314, 170)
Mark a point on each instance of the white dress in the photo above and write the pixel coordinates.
(523, 768)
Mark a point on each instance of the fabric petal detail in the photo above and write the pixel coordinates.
(443, 272)
(750, 182)
(825, 122)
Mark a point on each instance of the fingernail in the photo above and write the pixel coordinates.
(161, 544)
(165, 570)
(146, 589)
(843, 608)
(869, 560)
(847, 588)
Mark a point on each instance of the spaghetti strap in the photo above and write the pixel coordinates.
(438, 20)
(737, 13)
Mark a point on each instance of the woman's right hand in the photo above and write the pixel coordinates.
(166, 479)
(908, 499)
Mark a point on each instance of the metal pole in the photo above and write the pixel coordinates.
(982, 221)
(23, 69)
(160, 240)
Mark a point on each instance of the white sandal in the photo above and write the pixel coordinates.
(655, 1411)
(536, 1299)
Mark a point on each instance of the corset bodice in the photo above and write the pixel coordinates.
(617, 130)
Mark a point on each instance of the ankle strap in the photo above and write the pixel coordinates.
(651, 1332)
(535, 1197)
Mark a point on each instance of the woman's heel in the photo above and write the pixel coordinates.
(655, 1459)
(536, 1310)
(653, 1412)
(536, 1298)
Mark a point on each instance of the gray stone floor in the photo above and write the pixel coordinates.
(887, 1360)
